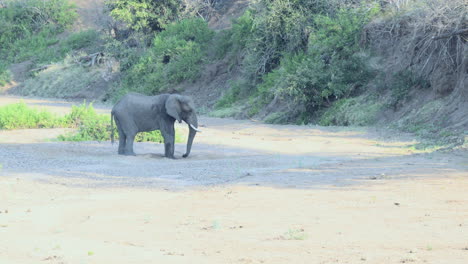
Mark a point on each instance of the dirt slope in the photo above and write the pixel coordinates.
(249, 193)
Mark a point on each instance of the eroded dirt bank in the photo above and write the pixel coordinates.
(249, 193)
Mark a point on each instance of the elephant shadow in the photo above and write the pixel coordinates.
(157, 156)
(150, 156)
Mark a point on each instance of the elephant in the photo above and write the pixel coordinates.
(136, 112)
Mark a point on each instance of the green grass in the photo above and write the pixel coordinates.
(295, 234)
(175, 56)
(30, 27)
(19, 115)
(358, 111)
(62, 79)
(96, 127)
(227, 111)
(5, 74)
(90, 125)
(432, 132)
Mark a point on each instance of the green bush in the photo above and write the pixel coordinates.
(145, 15)
(80, 40)
(97, 127)
(5, 75)
(61, 79)
(35, 47)
(331, 68)
(234, 40)
(91, 126)
(304, 53)
(80, 114)
(358, 111)
(28, 27)
(19, 115)
(232, 95)
(401, 84)
(175, 56)
(271, 28)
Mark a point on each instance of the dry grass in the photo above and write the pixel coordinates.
(414, 27)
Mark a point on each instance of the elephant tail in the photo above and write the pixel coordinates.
(112, 127)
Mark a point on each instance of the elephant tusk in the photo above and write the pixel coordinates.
(194, 128)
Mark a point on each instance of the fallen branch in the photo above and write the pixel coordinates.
(448, 35)
(38, 69)
(91, 59)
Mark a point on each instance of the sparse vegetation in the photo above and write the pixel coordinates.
(174, 56)
(295, 234)
(29, 27)
(80, 40)
(357, 111)
(145, 15)
(5, 75)
(17, 116)
(90, 125)
(64, 79)
(93, 126)
(232, 95)
(304, 61)
(402, 83)
(308, 58)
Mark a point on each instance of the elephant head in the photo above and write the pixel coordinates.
(181, 108)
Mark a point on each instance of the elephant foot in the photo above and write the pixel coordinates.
(185, 155)
(129, 154)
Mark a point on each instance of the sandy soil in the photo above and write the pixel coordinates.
(249, 193)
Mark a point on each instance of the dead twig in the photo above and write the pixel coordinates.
(448, 35)
(91, 59)
(38, 69)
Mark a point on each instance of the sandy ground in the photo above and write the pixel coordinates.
(249, 193)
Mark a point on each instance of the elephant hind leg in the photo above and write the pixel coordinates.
(122, 137)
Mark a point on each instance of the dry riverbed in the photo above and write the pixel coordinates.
(249, 193)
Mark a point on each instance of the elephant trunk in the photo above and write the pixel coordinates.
(193, 125)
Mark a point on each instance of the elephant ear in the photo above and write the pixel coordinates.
(173, 107)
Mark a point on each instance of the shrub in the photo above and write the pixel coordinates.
(358, 111)
(401, 84)
(80, 40)
(62, 79)
(330, 69)
(5, 75)
(97, 127)
(270, 29)
(91, 126)
(34, 46)
(232, 95)
(21, 21)
(145, 15)
(19, 115)
(175, 56)
(234, 40)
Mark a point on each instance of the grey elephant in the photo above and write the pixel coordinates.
(140, 113)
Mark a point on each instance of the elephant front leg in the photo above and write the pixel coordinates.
(129, 145)
(169, 140)
(169, 147)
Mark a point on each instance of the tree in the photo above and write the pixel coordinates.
(145, 15)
